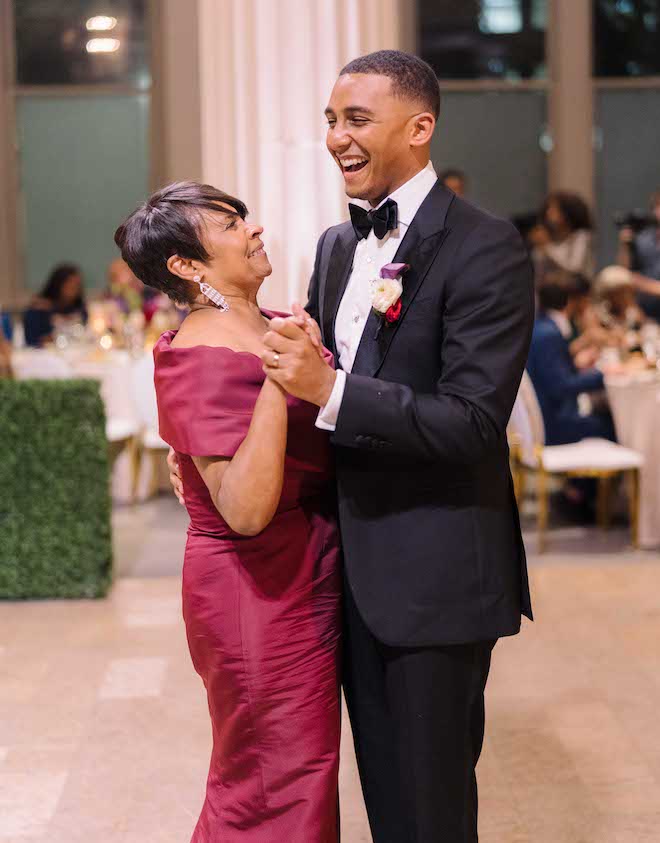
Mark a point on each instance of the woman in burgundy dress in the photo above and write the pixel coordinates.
(261, 581)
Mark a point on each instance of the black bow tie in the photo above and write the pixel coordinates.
(382, 220)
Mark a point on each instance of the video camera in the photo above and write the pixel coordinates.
(636, 220)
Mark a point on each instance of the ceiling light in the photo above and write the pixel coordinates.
(103, 45)
(101, 23)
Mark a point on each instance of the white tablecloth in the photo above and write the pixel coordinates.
(635, 404)
(127, 391)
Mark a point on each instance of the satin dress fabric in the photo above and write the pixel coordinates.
(261, 612)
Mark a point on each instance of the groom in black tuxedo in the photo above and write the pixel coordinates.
(434, 560)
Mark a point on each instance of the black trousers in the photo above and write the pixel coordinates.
(417, 716)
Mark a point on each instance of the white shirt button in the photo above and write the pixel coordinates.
(370, 260)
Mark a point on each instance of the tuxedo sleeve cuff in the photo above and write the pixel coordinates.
(328, 415)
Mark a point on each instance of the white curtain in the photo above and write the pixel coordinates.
(266, 71)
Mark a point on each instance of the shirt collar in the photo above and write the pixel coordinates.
(562, 322)
(409, 196)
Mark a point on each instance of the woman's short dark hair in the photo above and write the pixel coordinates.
(412, 78)
(53, 287)
(170, 223)
(573, 208)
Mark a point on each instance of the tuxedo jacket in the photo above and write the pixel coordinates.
(429, 523)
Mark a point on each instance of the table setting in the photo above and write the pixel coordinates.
(115, 348)
(633, 394)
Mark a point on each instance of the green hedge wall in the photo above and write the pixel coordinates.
(55, 530)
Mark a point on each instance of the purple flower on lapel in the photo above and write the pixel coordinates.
(392, 270)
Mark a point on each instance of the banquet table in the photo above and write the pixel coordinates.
(127, 390)
(635, 403)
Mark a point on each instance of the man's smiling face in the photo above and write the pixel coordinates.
(369, 133)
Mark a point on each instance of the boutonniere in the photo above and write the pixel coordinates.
(386, 291)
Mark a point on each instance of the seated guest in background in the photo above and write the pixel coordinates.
(564, 240)
(618, 309)
(555, 377)
(588, 336)
(61, 298)
(124, 287)
(640, 252)
(455, 180)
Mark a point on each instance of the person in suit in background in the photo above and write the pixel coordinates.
(6, 325)
(61, 297)
(556, 379)
(427, 303)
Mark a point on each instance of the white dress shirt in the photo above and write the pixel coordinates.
(370, 255)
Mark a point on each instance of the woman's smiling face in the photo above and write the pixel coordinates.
(237, 257)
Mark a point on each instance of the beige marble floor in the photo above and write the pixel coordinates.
(104, 734)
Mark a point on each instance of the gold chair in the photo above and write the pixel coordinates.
(122, 434)
(598, 458)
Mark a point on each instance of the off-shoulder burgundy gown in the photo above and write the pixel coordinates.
(261, 612)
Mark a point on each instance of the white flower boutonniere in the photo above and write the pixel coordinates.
(386, 292)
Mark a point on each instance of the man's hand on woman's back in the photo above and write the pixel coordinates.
(175, 476)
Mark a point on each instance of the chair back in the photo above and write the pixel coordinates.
(526, 422)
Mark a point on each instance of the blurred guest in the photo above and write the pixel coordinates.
(585, 324)
(640, 251)
(564, 238)
(619, 311)
(455, 180)
(588, 336)
(528, 226)
(6, 325)
(124, 287)
(555, 377)
(61, 299)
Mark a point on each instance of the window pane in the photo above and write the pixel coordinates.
(506, 175)
(481, 39)
(626, 37)
(77, 187)
(81, 42)
(627, 169)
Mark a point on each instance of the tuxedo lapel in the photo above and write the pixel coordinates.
(418, 249)
(337, 275)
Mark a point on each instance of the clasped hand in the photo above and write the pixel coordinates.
(299, 368)
(293, 358)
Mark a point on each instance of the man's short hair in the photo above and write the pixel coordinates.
(412, 78)
(552, 296)
(575, 283)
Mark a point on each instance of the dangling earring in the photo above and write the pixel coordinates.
(212, 294)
